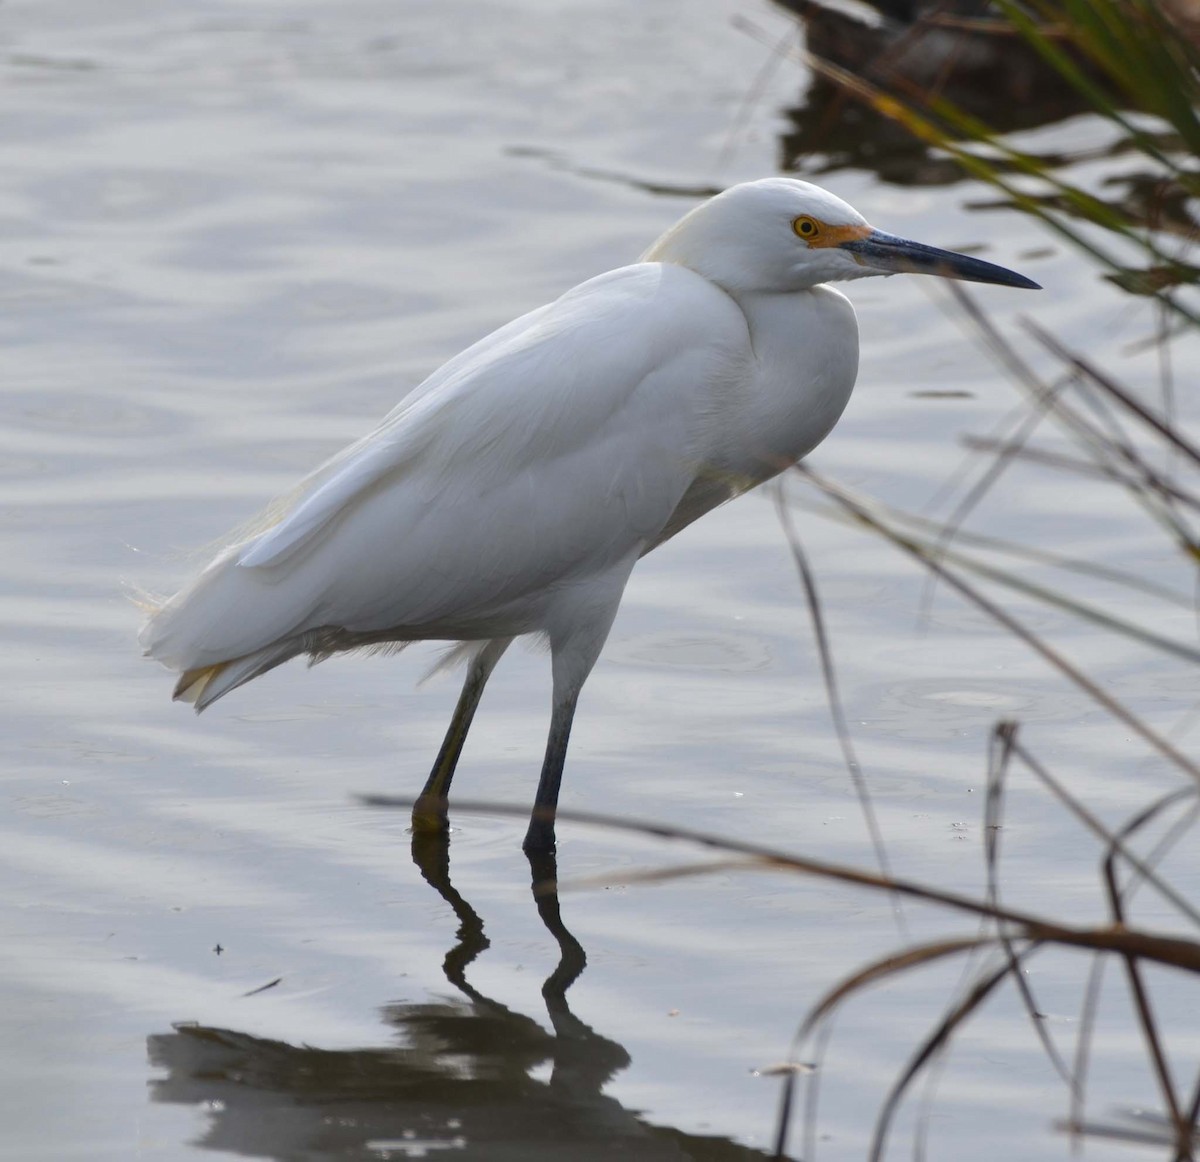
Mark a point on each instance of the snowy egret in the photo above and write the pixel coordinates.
(513, 491)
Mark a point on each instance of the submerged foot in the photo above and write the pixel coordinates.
(429, 816)
(540, 838)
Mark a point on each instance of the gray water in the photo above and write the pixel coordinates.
(233, 235)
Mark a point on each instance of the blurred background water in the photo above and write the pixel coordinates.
(233, 234)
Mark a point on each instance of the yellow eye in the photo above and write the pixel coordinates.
(806, 227)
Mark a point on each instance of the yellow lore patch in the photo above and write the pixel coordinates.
(817, 233)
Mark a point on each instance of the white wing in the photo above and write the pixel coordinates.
(322, 494)
(547, 452)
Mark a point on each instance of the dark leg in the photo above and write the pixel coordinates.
(577, 631)
(429, 811)
(540, 836)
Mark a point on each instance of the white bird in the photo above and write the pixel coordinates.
(514, 490)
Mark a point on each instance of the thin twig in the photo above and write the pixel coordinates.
(1002, 747)
(1173, 951)
(834, 698)
(1006, 619)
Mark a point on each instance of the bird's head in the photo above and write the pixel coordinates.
(780, 234)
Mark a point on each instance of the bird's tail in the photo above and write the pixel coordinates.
(202, 686)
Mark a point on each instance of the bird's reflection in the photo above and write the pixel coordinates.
(463, 1080)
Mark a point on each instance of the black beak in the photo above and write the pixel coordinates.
(888, 253)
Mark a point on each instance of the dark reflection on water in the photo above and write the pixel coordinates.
(462, 1083)
(998, 79)
(831, 131)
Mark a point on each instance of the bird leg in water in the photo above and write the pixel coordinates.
(540, 836)
(429, 811)
(585, 616)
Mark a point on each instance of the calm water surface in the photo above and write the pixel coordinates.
(233, 235)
